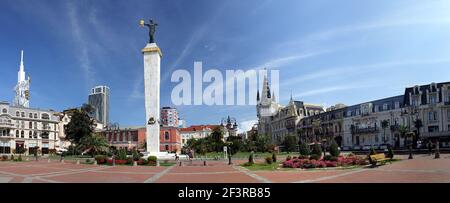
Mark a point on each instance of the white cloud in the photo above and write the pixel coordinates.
(245, 126)
(80, 40)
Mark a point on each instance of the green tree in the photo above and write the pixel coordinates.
(262, 144)
(290, 143)
(80, 125)
(93, 144)
(317, 150)
(334, 149)
(384, 125)
(216, 140)
(304, 149)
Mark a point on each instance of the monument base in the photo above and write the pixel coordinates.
(163, 155)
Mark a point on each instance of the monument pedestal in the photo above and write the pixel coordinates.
(152, 66)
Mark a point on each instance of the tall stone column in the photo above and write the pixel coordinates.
(152, 66)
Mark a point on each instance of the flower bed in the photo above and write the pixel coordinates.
(307, 163)
(118, 162)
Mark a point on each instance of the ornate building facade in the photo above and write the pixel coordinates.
(424, 110)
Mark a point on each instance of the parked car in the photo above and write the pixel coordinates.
(366, 147)
(382, 146)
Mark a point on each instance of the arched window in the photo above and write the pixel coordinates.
(22, 134)
(35, 115)
(30, 115)
(31, 125)
(166, 135)
(17, 114)
(45, 116)
(22, 114)
(17, 133)
(30, 134)
(4, 111)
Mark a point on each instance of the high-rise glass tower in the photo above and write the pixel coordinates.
(99, 99)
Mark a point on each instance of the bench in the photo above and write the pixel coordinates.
(378, 158)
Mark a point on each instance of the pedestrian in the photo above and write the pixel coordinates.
(177, 158)
(430, 147)
(62, 157)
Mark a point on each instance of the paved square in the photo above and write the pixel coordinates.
(421, 169)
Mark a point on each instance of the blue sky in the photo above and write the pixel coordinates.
(327, 51)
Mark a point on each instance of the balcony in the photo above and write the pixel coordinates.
(6, 125)
(365, 130)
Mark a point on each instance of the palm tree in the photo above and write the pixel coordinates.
(94, 143)
(403, 129)
(384, 125)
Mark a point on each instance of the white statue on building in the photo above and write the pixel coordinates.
(22, 89)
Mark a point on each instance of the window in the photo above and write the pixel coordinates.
(166, 135)
(17, 114)
(167, 147)
(22, 134)
(30, 115)
(376, 108)
(385, 107)
(45, 116)
(448, 127)
(349, 113)
(432, 116)
(17, 133)
(35, 115)
(31, 125)
(448, 113)
(30, 134)
(4, 111)
(433, 99)
(397, 105)
(22, 114)
(432, 129)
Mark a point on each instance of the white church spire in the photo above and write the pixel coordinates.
(23, 86)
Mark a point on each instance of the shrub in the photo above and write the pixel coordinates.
(4, 158)
(250, 159)
(136, 155)
(88, 161)
(12, 157)
(390, 153)
(129, 161)
(303, 157)
(334, 159)
(334, 149)
(331, 163)
(142, 161)
(315, 157)
(269, 160)
(101, 159)
(20, 158)
(288, 158)
(121, 154)
(274, 157)
(327, 157)
(317, 150)
(304, 149)
(152, 160)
